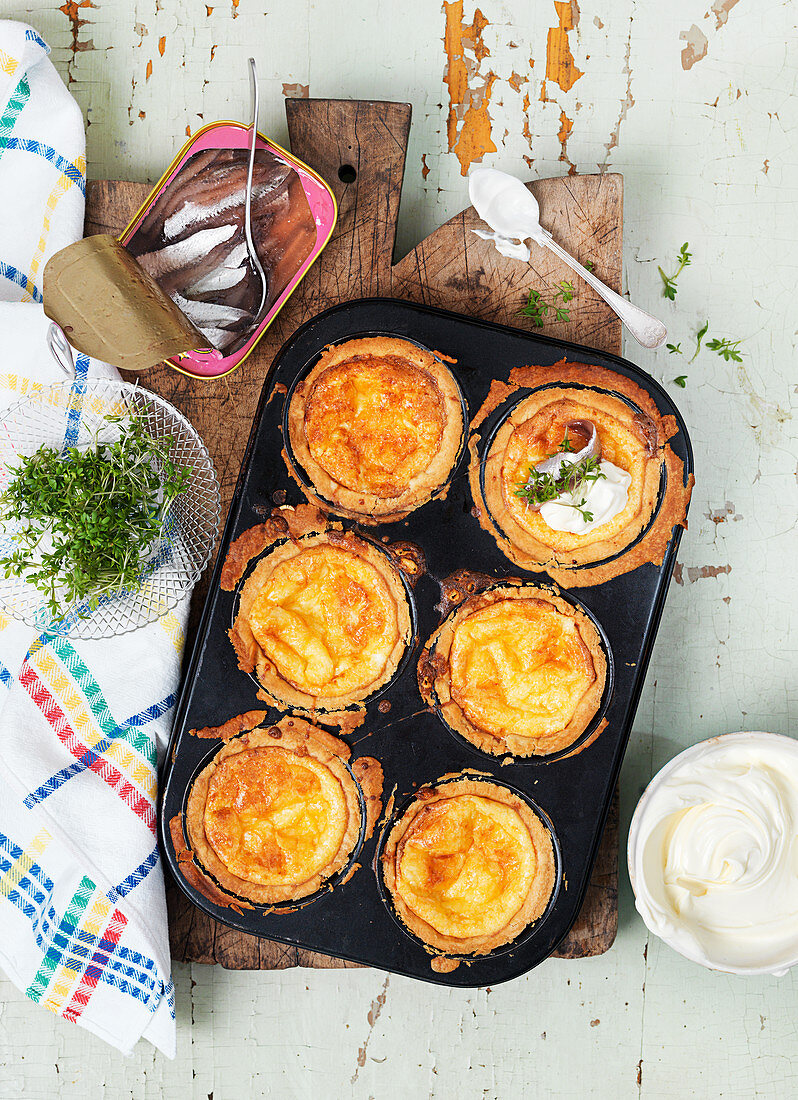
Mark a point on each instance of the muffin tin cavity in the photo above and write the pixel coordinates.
(464, 594)
(426, 484)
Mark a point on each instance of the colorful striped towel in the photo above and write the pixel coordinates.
(82, 911)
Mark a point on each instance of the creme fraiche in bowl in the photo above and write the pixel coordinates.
(713, 853)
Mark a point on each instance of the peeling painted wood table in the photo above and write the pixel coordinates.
(695, 104)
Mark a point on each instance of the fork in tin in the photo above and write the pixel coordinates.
(251, 250)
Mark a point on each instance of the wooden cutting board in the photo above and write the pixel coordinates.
(452, 269)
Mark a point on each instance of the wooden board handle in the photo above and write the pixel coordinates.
(359, 148)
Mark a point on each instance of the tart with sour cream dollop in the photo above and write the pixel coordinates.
(469, 866)
(571, 478)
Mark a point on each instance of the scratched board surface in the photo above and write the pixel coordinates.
(695, 104)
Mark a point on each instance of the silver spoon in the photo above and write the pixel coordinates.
(61, 349)
(513, 214)
(253, 255)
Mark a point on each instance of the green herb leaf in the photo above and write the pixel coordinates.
(727, 348)
(538, 308)
(669, 281)
(87, 521)
(699, 336)
(675, 349)
(574, 477)
(681, 380)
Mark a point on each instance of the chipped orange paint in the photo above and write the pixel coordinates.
(213, 51)
(526, 130)
(71, 10)
(516, 80)
(696, 46)
(475, 137)
(721, 9)
(235, 9)
(296, 91)
(188, 131)
(162, 45)
(472, 36)
(566, 125)
(560, 64)
(148, 73)
(142, 114)
(424, 166)
(468, 105)
(208, 11)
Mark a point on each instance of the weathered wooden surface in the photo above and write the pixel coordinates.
(452, 268)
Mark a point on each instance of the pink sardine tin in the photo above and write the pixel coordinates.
(189, 236)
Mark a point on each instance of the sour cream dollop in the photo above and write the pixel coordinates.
(713, 853)
(509, 209)
(604, 499)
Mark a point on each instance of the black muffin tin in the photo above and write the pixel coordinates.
(354, 920)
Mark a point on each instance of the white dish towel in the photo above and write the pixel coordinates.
(83, 725)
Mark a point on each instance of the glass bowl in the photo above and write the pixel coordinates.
(72, 414)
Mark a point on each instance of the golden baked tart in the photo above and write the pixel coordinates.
(276, 813)
(377, 427)
(572, 476)
(468, 866)
(516, 669)
(323, 621)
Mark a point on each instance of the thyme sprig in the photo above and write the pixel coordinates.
(573, 478)
(669, 281)
(87, 519)
(538, 308)
(729, 349)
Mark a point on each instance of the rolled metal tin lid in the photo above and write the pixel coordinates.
(110, 308)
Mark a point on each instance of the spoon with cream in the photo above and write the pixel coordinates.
(513, 214)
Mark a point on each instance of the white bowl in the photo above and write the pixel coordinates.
(639, 833)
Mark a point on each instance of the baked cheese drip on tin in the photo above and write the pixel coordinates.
(520, 667)
(327, 620)
(274, 818)
(373, 423)
(465, 865)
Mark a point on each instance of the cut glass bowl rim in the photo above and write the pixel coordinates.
(118, 615)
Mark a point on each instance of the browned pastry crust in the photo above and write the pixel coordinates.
(469, 866)
(256, 787)
(515, 669)
(377, 427)
(634, 436)
(322, 623)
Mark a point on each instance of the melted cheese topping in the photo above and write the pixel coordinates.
(327, 621)
(466, 865)
(519, 667)
(541, 436)
(374, 423)
(274, 818)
